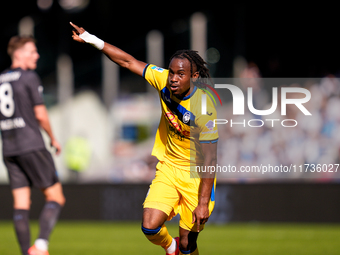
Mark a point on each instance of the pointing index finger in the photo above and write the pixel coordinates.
(75, 26)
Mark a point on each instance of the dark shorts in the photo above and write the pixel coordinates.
(34, 168)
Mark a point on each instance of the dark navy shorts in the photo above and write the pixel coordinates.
(35, 168)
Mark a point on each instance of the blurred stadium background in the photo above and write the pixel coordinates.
(106, 118)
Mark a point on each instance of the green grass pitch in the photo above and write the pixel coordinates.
(98, 237)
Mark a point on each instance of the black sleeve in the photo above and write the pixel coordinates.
(35, 88)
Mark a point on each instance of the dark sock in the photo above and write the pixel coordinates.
(48, 218)
(22, 229)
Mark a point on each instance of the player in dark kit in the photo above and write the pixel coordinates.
(22, 113)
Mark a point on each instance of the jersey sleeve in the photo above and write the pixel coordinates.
(156, 76)
(208, 132)
(35, 88)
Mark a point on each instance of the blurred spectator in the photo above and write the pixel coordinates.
(314, 140)
(77, 156)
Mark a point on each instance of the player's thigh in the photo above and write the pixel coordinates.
(186, 211)
(162, 194)
(54, 193)
(22, 198)
(189, 189)
(17, 176)
(153, 218)
(39, 167)
(162, 197)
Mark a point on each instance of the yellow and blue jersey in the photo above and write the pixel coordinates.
(182, 127)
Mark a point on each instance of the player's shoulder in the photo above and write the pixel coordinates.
(156, 76)
(202, 100)
(199, 95)
(30, 78)
(154, 69)
(30, 74)
(10, 75)
(23, 73)
(157, 68)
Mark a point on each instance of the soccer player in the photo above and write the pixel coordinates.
(185, 136)
(22, 112)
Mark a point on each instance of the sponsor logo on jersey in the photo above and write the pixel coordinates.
(158, 69)
(10, 76)
(210, 125)
(10, 124)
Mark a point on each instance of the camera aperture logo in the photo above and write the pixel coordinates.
(238, 103)
(211, 96)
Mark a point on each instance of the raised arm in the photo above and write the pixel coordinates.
(117, 55)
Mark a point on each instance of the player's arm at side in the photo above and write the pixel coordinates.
(210, 159)
(34, 88)
(208, 137)
(41, 115)
(201, 213)
(117, 55)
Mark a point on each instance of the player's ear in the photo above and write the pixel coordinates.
(16, 54)
(195, 76)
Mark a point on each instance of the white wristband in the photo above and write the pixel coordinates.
(93, 40)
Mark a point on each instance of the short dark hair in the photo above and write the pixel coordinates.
(17, 42)
(194, 59)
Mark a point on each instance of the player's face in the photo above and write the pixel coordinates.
(179, 77)
(29, 55)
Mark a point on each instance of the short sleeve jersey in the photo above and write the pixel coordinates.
(20, 91)
(182, 127)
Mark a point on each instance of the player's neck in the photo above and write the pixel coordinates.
(18, 64)
(186, 93)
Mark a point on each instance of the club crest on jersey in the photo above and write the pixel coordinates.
(186, 117)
